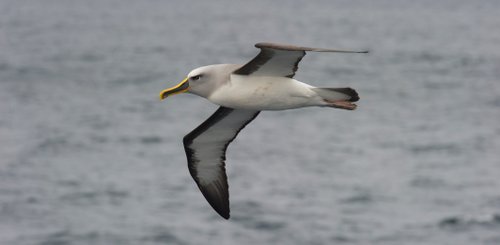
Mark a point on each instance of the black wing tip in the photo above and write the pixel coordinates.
(264, 44)
(225, 215)
(217, 195)
(221, 208)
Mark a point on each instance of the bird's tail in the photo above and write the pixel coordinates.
(338, 97)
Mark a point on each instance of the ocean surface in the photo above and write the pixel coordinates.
(90, 155)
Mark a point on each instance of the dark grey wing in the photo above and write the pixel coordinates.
(206, 148)
(279, 60)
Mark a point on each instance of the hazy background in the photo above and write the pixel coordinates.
(89, 155)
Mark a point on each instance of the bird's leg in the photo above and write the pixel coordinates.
(341, 104)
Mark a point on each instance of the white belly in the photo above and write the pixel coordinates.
(264, 93)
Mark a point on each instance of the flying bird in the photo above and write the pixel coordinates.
(242, 91)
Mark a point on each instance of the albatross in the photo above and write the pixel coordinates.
(242, 91)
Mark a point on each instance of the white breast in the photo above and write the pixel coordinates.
(264, 93)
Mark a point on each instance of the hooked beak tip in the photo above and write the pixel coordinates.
(163, 95)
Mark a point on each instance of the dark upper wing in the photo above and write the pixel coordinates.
(206, 148)
(279, 60)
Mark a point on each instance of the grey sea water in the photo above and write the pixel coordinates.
(89, 155)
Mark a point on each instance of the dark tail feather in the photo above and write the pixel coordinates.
(347, 91)
(333, 94)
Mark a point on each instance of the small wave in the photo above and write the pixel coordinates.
(429, 148)
(145, 140)
(427, 57)
(21, 70)
(250, 217)
(163, 237)
(150, 140)
(456, 222)
(84, 198)
(359, 198)
(63, 237)
(53, 143)
(59, 238)
(259, 224)
(89, 57)
(140, 79)
(340, 71)
(426, 182)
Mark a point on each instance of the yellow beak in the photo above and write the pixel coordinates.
(182, 87)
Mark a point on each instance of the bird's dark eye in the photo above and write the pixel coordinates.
(197, 77)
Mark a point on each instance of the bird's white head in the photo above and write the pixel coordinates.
(202, 81)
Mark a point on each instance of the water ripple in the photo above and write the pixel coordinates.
(462, 223)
